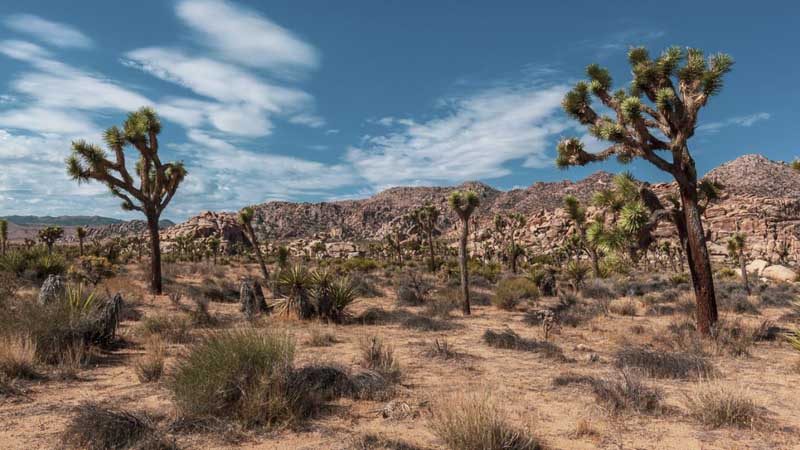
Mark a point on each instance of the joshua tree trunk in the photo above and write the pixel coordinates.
(743, 268)
(155, 254)
(462, 261)
(259, 257)
(432, 252)
(513, 254)
(697, 256)
(595, 263)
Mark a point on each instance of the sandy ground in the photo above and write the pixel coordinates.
(520, 381)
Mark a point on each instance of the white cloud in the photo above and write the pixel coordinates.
(54, 33)
(474, 139)
(244, 36)
(741, 121)
(46, 120)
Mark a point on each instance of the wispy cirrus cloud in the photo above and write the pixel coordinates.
(246, 37)
(740, 121)
(53, 33)
(475, 137)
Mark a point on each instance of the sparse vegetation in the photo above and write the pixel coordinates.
(95, 427)
(716, 405)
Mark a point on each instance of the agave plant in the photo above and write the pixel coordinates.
(78, 301)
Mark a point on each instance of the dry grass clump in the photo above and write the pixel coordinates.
(240, 374)
(441, 349)
(99, 428)
(443, 302)
(425, 323)
(413, 289)
(379, 357)
(150, 366)
(175, 328)
(624, 307)
(372, 441)
(510, 340)
(17, 356)
(716, 405)
(321, 337)
(475, 422)
(626, 393)
(659, 364)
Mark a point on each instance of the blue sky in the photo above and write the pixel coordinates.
(317, 101)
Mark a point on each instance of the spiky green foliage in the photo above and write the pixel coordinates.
(157, 181)
(464, 203)
(49, 235)
(424, 221)
(507, 225)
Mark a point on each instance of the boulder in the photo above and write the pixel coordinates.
(779, 273)
(52, 289)
(757, 266)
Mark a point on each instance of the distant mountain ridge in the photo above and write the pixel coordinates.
(62, 221)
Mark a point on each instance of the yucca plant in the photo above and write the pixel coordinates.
(79, 301)
(342, 295)
(577, 272)
(295, 283)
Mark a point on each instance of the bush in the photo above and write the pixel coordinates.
(99, 428)
(92, 269)
(732, 338)
(17, 356)
(475, 422)
(14, 261)
(412, 289)
(359, 264)
(511, 291)
(626, 307)
(509, 340)
(240, 374)
(46, 265)
(715, 405)
(321, 337)
(377, 356)
(738, 303)
(425, 323)
(659, 364)
(371, 441)
(176, 329)
(598, 290)
(444, 302)
(150, 366)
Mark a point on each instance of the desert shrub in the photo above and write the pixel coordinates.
(372, 441)
(669, 295)
(768, 331)
(199, 315)
(412, 289)
(425, 323)
(571, 311)
(732, 337)
(626, 393)
(624, 307)
(544, 278)
(637, 287)
(174, 328)
(377, 356)
(321, 383)
(726, 272)
(359, 264)
(715, 405)
(511, 291)
(658, 364)
(321, 337)
(150, 366)
(99, 428)
(8, 387)
(365, 286)
(679, 279)
(598, 290)
(443, 302)
(508, 339)
(371, 385)
(17, 356)
(738, 303)
(483, 274)
(441, 349)
(569, 378)
(779, 294)
(240, 374)
(475, 422)
(215, 290)
(92, 269)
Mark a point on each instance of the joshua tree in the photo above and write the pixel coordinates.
(3, 236)
(425, 218)
(213, 246)
(578, 215)
(736, 246)
(49, 235)
(507, 225)
(666, 95)
(394, 240)
(246, 220)
(81, 233)
(157, 182)
(464, 204)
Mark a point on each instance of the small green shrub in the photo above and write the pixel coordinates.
(511, 291)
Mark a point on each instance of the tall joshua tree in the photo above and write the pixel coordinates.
(425, 220)
(49, 235)
(464, 204)
(3, 236)
(246, 220)
(736, 246)
(508, 225)
(81, 233)
(157, 181)
(664, 100)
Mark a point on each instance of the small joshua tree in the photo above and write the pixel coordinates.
(49, 235)
(81, 233)
(508, 225)
(246, 220)
(736, 246)
(425, 220)
(157, 181)
(464, 204)
(213, 247)
(3, 236)
(577, 213)
(666, 95)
